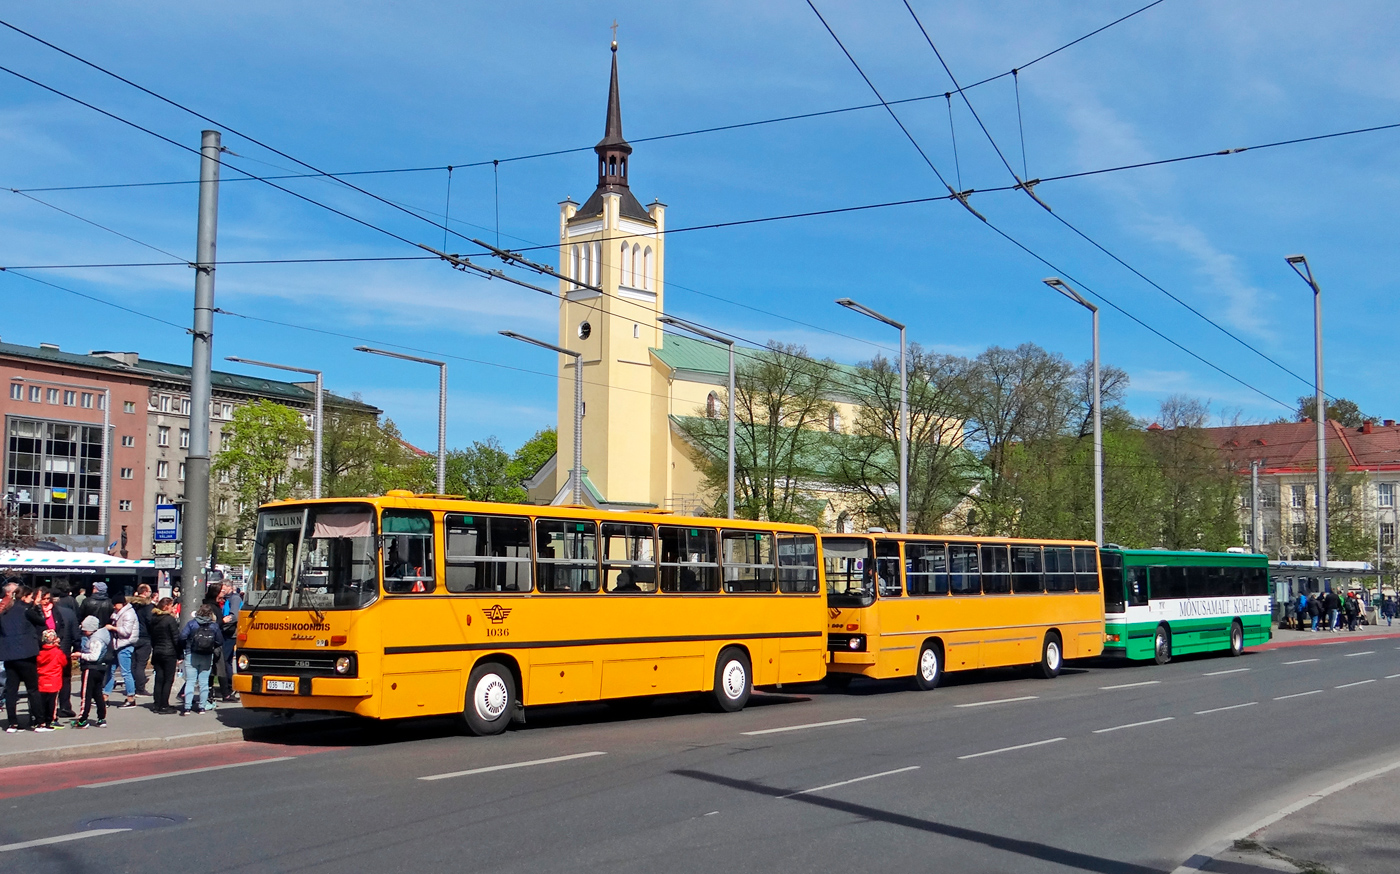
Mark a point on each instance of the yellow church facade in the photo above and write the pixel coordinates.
(638, 380)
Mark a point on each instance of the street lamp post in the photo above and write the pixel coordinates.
(1300, 265)
(316, 431)
(695, 329)
(104, 514)
(442, 407)
(575, 475)
(1060, 286)
(903, 410)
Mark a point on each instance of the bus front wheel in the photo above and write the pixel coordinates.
(1236, 638)
(1052, 657)
(490, 699)
(1161, 645)
(929, 669)
(733, 680)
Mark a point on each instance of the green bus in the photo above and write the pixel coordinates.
(1159, 603)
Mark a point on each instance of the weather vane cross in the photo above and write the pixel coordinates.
(614, 30)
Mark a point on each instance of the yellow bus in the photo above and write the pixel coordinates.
(916, 605)
(413, 605)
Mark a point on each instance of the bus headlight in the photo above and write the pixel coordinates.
(242, 663)
(342, 665)
(856, 643)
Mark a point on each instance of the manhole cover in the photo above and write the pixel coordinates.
(137, 822)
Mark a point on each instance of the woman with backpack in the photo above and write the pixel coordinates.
(201, 639)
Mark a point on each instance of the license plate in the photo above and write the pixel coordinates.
(280, 685)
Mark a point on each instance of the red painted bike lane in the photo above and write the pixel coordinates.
(24, 780)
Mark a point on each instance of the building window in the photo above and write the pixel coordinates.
(35, 393)
(712, 406)
(184, 438)
(162, 436)
(128, 473)
(1388, 534)
(161, 498)
(223, 506)
(182, 471)
(16, 392)
(52, 395)
(1298, 496)
(223, 476)
(834, 424)
(70, 399)
(124, 506)
(226, 410)
(1385, 494)
(128, 406)
(165, 403)
(626, 269)
(87, 400)
(597, 277)
(128, 440)
(224, 439)
(53, 475)
(184, 406)
(300, 452)
(648, 271)
(162, 470)
(1300, 532)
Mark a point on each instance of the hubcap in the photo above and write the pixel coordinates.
(492, 694)
(1161, 643)
(1236, 637)
(928, 664)
(733, 679)
(1052, 655)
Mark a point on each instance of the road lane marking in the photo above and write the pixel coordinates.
(1231, 671)
(1134, 724)
(59, 839)
(998, 701)
(1298, 695)
(800, 727)
(849, 782)
(182, 773)
(1131, 685)
(1009, 749)
(1358, 683)
(1392, 676)
(1352, 655)
(508, 767)
(1302, 661)
(1231, 707)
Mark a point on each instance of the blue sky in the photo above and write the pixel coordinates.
(357, 86)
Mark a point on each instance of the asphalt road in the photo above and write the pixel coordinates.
(1115, 769)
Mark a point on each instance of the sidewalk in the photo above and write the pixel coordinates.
(1288, 637)
(1344, 829)
(137, 729)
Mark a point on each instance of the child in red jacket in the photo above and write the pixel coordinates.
(52, 664)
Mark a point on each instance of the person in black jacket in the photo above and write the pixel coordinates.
(20, 624)
(164, 629)
(97, 604)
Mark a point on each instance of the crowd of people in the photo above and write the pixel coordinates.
(1328, 611)
(50, 634)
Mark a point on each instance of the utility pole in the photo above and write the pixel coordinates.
(195, 526)
(1254, 535)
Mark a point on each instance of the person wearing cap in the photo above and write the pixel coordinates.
(20, 625)
(93, 658)
(97, 604)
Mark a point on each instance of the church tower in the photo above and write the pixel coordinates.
(612, 250)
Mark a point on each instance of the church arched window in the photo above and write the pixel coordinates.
(624, 267)
(648, 270)
(712, 406)
(638, 268)
(843, 523)
(834, 423)
(597, 264)
(586, 276)
(574, 272)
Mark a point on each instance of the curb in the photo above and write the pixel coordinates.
(149, 744)
(1321, 639)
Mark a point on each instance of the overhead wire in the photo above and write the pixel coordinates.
(1037, 256)
(1025, 186)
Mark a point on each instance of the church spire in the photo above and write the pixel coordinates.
(612, 149)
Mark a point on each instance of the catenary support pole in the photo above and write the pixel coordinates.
(1300, 265)
(1098, 439)
(1255, 537)
(442, 430)
(194, 548)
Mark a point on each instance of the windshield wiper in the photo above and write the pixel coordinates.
(302, 590)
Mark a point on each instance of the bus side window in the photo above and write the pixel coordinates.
(996, 569)
(409, 560)
(887, 568)
(1086, 568)
(797, 564)
(1113, 601)
(1059, 569)
(629, 558)
(1026, 570)
(962, 567)
(566, 556)
(487, 553)
(1136, 578)
(926, 568)
(689, 559)
(749, 564)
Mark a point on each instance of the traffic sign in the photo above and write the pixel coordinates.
(166, 562)
(167, 523)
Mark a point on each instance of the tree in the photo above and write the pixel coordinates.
(482, 473)
(780, 436)
(941, 471)
(258, 456)
(532, 455)
(1200, 491)
(1342, 411)
(361, 456)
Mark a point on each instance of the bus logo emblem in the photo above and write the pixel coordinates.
(496, 613)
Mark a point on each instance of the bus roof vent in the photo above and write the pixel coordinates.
(398, 493)
(875, 529)
(1111, 546)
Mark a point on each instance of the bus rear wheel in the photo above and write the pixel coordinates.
(490, 699)
(1236, 638)
(733, 680)
(1161, 645)
(929, 670)
(1052, 657)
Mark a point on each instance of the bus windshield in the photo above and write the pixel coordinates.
(850, 579)
(1112, 565)
(314, 558)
